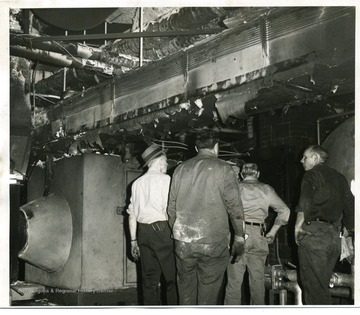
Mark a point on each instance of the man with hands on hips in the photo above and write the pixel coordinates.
(256, 197)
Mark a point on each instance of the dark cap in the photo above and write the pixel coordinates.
(152, 152)
(249, 169)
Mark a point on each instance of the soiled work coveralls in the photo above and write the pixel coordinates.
(203, 195)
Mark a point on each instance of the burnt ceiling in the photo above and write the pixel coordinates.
(129, 76)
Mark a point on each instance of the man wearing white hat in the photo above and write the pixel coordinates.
(149, 229)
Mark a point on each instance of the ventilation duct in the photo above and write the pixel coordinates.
(48, 232)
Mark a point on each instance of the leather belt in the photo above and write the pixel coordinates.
(254, 223)
(158, 225)
(320, 220)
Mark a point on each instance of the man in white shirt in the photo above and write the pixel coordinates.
(149, 229)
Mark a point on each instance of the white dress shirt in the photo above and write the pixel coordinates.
(149, 197)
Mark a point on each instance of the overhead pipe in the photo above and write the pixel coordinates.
(60, 59)
(75, 49)
(141, 39)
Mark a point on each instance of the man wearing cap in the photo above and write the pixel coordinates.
(149, 228)
(203, 195)
(256, 197)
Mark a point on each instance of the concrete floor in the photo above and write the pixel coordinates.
(125, 297)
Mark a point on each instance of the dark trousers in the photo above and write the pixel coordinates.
(157, 257)
(201, 269)
(318, 254)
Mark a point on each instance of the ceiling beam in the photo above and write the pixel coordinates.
(236, 59)
(127, 35)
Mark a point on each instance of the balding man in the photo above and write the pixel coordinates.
(326, 204)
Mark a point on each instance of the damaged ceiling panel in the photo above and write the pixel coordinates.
(237, 63)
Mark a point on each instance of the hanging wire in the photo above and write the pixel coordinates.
(171, 144)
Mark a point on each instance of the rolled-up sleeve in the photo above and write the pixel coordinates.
(132, 209)
(233, 201)
(279, 206)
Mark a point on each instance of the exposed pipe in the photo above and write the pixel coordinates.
(337, 279)
(340, 285)
(282, 297)
(64, 81)
(76, 50)
(60, 60)
(286, 273)
(105, 31)
(141, 38)
(342, 280)
(342, 292)
(294, 287)
(33, 106)
(289, 263)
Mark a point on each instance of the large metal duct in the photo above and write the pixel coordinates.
(341, 147)
(48, 232)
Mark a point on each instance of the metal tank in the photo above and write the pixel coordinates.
(341, 147)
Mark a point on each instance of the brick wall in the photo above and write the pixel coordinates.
(295, 127)
(281, 139)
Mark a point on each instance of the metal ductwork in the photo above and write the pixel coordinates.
(341, 147)
(47, 226)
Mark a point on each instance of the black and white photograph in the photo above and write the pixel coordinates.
(174, 155)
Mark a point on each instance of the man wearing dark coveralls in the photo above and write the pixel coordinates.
(203, 195)
(325, 205)
(149, 228)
